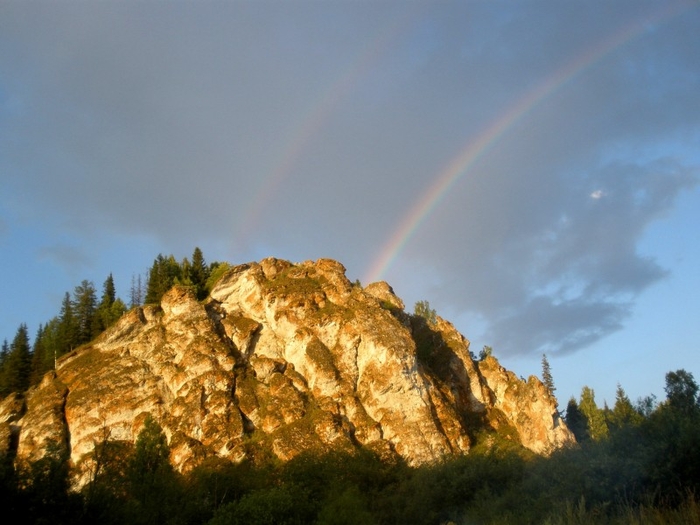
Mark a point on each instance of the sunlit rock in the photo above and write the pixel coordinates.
(279, 359)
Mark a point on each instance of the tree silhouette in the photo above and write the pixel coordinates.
(547, 378)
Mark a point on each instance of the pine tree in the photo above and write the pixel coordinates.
(623, 413)
(547, 379)
(199, 273)
(576, 421)
(4, 354)
(42, 356)
(597, 427)
(161, 277)
(85, 307)
(110, 308)
(17, 366)
(67, 328)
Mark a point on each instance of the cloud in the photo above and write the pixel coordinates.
(555, 272)
(65, 256)
(309, 130)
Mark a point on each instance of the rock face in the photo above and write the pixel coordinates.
(280, 358)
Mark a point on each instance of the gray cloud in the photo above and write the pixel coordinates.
(309, 130)
(66, 256)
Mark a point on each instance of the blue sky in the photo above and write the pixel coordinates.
(312, 129)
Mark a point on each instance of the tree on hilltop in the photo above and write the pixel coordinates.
(67, 336)
(547, 379)
(422, 309)
(17, 365)
(199, 273)
(161, 277)
(42, 356)
(85, 307)
(110, 308)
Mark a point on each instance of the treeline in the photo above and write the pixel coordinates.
(646, 469)
(83, 316)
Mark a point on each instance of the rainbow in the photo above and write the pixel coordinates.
(473, 150)
(317, 117)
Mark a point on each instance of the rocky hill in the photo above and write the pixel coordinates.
(280, 358)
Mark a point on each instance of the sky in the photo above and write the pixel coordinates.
(529, 168)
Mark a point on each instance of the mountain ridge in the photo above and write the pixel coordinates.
(280, 358)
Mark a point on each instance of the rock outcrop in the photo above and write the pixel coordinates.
(280, 358)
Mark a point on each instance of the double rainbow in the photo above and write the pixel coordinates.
(459, 166)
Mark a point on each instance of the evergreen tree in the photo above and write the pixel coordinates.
(110, 308)
(17, 365)
(597, 427)
(51, 340)
(67, 328)
(199, 273)
(161, 277)
(4, 354)
(42, 356)
(576, 421)
(185, 269)
(85, 308)
(623, 413)
(547, 379)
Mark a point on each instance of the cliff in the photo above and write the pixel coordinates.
(280, 358)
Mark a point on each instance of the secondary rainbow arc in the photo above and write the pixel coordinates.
(459, 166)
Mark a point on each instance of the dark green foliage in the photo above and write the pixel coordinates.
(199, 273)
(4, 353)
(576, 421)
(16, 366)
(547, 379)
(152, 482)
(106, 494)
(110, 308)
(162, 276)
(42, 356)
(84, 308)
(647, 470)
(44, 493)
(285, 505)
(623, 413)
(430, 347)
(67, 335)
(682, 392)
